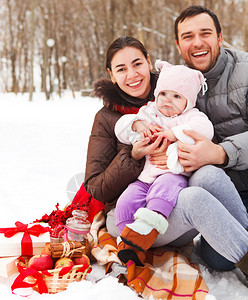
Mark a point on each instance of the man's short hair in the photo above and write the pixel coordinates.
(195, 10)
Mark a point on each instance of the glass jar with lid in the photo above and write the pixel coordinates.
(77, 226)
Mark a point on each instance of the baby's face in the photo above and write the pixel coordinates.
(171, 103)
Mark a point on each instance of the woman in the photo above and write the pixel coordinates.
(215, 209)
(111, 166)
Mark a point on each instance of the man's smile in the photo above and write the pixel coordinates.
(201, 53)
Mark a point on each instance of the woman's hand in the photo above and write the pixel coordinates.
(159, 157)
(143, 147)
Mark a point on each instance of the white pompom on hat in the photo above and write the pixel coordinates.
(181, 79)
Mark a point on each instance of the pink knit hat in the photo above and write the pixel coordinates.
(181, 79)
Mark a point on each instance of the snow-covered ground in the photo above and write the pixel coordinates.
(43, 147)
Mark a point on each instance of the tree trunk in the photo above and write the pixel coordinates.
(31, 41)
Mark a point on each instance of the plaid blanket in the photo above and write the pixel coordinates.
(167, 274)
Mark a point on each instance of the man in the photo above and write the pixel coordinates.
(199, 41)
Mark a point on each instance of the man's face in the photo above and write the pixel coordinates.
(198, 42)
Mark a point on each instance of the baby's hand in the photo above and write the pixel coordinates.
(168, 134)
(156, 128)
(156, 135)
(142, 127)
(145, 129)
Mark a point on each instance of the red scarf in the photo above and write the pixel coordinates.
(128, 109)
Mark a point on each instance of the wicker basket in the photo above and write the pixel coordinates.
(57, 283)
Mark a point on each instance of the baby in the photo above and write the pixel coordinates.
(172, 112)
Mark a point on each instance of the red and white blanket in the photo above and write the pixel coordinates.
(167, 274)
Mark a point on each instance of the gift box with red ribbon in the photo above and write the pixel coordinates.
(23, 239)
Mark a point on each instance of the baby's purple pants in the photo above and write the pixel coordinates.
(160, 196)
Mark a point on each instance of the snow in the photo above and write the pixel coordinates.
(43, 151)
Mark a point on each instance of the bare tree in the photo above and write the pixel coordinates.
(81, 30)
(12, 47)
(244, 27)
(31, 39)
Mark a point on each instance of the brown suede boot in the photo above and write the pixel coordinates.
(139, 236)
(137, 240)
(243, 265)
(126, 253)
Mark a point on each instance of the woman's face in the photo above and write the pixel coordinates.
(131, 71)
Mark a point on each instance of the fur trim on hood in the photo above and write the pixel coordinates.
(106, 90)
(113, 96)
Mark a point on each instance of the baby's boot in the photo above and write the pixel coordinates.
(139, 236)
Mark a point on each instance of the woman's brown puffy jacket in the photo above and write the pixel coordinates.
(110, 167)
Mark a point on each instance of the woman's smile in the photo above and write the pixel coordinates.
(134, 84)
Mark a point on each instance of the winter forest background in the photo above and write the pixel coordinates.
(55, 50)
(53, 45)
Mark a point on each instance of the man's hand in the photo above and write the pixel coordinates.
(204, 152)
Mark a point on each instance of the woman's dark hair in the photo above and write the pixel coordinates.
(121, 43)
(195, 10)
